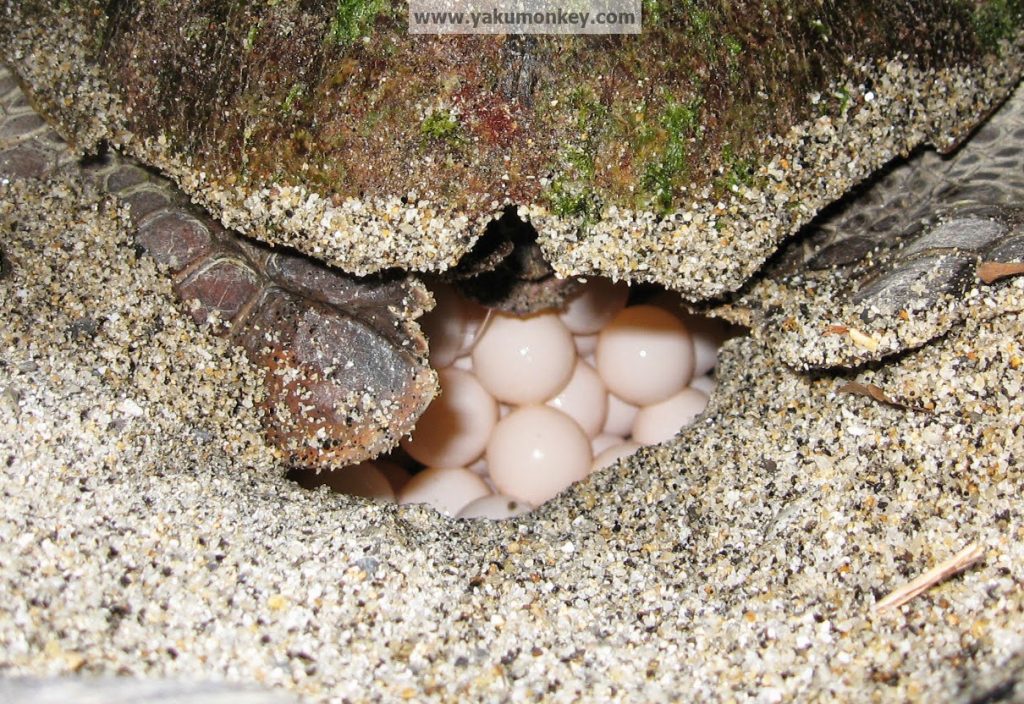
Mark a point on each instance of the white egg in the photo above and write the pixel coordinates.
(645, 355)
(364, 479)
(479, 467)
(603, 441)
(620, 416)
(596, 304)
(394, 473)
(610, 379)
(445, 326)
(585, 344)
(447, 489)
(584, 399)
(475, 315)
(610, 455)
(707, 335)
(536, 452)
(705, 383)
(524, 360)
(496, 507)
(454, 429)
(661, 421)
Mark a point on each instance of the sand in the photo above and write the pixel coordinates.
(147, 532)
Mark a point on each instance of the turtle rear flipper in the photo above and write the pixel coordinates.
(895, 265)
(344, 361)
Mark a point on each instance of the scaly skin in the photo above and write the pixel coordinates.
(346, 365)
(896, 260)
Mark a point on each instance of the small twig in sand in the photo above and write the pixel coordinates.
(958, 563)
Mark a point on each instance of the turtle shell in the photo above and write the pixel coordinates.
(682, 156)
(899, 261)
(510, 167)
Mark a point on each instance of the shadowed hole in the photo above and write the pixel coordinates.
(535, 397)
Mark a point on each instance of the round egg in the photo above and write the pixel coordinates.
(454, 429)
(476, 317)
(364, 479)
(447, 489)
(536, 452)
(524, 360)
(611, 455)
(645, 355)
(707, 335)
(705, 383)
(586, 345)
(584, 399)
(479, 467)
(394, 473)
(603, 441)
(661, 421)
(619, 420)
(596, 304)
(445, 326)
(496, 507)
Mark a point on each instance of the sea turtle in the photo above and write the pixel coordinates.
(683, 157)
(740, 561)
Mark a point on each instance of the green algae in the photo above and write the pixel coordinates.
(440, 125)
(739, 171)
(997, 20)
(250, 37)
(295, 93)
(352, 19)
(677, 124)
(328, 94)
(570, 200)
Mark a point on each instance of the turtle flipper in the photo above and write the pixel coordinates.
(345, 363)
(895, 265)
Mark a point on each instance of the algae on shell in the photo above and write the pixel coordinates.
(681, 156)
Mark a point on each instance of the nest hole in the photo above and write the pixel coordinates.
(543, 382)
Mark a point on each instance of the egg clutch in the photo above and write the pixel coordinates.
(528, 405)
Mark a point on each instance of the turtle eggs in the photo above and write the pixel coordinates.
(529, 405)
